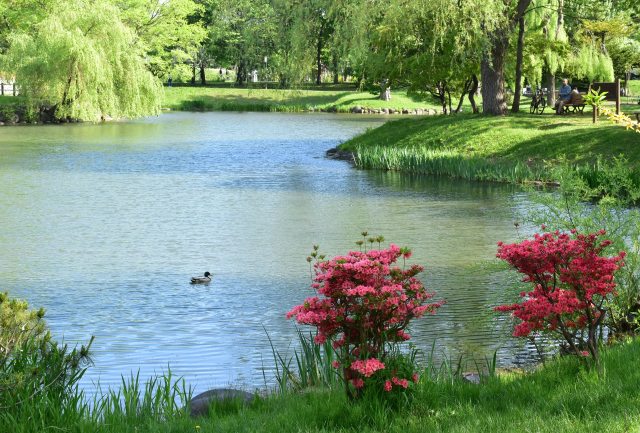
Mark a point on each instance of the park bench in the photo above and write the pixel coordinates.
(575, 105)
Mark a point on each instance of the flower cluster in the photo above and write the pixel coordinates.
(364, 305)
(571, 280)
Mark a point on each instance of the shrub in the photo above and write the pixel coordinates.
(366, 304)
(38, 377)
(571, 282)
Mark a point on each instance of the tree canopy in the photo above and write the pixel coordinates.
(91, 59)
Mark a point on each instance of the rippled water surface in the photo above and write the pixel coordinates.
(104, 224)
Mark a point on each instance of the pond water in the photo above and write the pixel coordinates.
(103, 225)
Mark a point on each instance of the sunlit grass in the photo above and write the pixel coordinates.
(253, 99)
(515, 148)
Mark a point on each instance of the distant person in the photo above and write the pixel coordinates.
(169, 81)
(565, 96)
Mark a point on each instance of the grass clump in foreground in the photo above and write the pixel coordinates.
(562, 396)
(515, 148)
(255, 99)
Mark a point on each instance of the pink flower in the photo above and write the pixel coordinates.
(400, 382)
(335, 364)
(415, 377)
(357, 383)
(367, 367)
(387, 385)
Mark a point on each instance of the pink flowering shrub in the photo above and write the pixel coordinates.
(364, 305)
(571, 281)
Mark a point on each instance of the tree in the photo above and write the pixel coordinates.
(83, 61)
(241, 34)
(166, 32)
(492, 66)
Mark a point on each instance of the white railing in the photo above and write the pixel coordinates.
(9, 89)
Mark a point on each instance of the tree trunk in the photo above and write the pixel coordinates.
(464, 92)
(193, 73)
(336, 73)
(203, 78)
(515, 107)
(492, 71)
(551, 88)
(241, 73)
(472, 93)
(492, 64)
(385, 90)
(627, 77)
(319, 60)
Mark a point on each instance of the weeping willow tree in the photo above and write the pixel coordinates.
(546, 49)
(434, 47)
(83, 62)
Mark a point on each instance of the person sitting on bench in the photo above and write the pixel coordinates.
(565, 96)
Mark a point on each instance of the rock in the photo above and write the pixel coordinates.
(471, 378)
(391, 111)
(419, 111)
(200, 403)
(385, 111)
(1, 123)
(341, 155)
(405, 111)
(357, 109)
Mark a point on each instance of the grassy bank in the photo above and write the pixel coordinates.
(557, 398)
(561, 397)
(339, 99)
(515, 148)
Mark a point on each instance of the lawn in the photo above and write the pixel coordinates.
(559, 397)
(339, 98)
(513, 148)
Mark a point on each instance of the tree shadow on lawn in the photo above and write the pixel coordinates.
(578, 145)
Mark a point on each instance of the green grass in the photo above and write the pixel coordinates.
(513, 148)
(560, 397)
(339, 98)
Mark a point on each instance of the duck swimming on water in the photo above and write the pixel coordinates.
(202, 280)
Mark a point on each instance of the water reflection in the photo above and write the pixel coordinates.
(104, 224)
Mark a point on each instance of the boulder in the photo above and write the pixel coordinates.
(405, 111)
(335, 153)
(200, 403)
(357, 109)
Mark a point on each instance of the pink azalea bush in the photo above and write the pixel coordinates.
(571, 280)
(365, 303)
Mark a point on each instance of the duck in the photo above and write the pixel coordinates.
(202, 279)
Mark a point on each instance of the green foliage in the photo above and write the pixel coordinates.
(38, 377)
(85, 62)
(312, 367)
(167, 35)
(595, 98)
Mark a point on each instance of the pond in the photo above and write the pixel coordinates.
(103, 225)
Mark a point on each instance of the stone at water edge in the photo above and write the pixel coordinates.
(200, 403)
